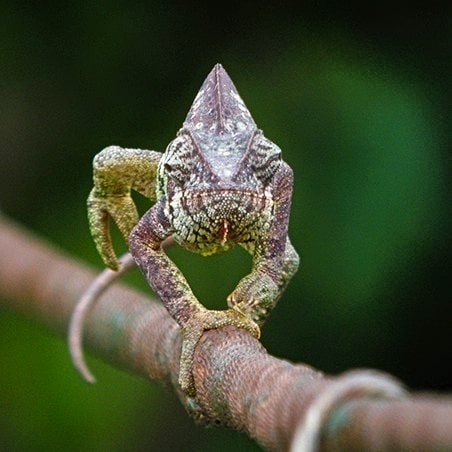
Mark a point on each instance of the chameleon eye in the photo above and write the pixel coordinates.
(175, 171)
(177, 160)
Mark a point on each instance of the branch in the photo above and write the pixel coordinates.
(280, 404)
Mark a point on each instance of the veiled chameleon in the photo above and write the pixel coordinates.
(219, 183)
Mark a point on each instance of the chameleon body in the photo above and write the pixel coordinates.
(219, 183)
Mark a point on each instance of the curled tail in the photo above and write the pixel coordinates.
(102, 282)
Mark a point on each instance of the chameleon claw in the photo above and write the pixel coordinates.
(192, 332)
(82, 309)
(254, 297)
(98, 223)
(123, 212)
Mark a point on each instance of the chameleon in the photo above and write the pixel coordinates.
(219, 183)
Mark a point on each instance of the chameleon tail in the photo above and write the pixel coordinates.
(83, 307)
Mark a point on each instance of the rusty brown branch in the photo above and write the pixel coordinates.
(238, 383)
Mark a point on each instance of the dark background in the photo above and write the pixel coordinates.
(357, 99)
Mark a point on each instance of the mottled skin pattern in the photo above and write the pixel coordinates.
(219, 183)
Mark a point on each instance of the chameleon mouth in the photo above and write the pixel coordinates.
(224, 232)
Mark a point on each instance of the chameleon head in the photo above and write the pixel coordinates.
(220, 165)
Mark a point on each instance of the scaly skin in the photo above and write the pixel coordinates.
(218, 184)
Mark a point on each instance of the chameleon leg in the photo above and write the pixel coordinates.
(171, 286)
(258, 295)
(117, 171)
(290, 266)
(274, 259)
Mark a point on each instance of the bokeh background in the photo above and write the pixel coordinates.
(356, 98)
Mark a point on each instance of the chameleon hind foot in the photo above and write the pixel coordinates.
(206, 320)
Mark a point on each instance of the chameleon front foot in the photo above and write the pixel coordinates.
(254, 297)
(192, 332)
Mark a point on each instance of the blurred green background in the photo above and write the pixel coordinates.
(357, 100)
